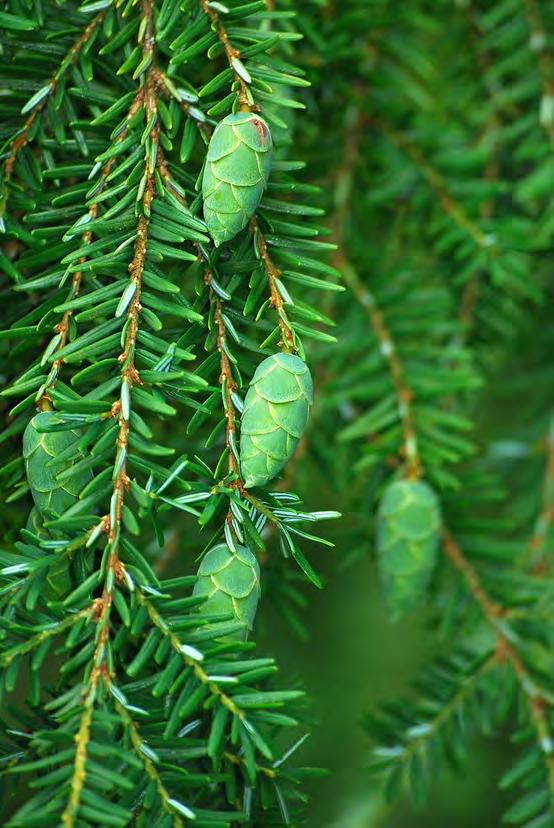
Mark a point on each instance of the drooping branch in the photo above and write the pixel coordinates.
(538, 700)
(232, 54)
(129, 377)
(61, 329)
(21, 139)
(148, 765)
(99, 666)
(456, 211)
(538, 42)
(538, 543)
(403, 393)
(287, 340)
(246, 103)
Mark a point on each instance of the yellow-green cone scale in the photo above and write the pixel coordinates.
(408, 531)
(40, 450)
(276, 410)
(230, 581)
(238, 164)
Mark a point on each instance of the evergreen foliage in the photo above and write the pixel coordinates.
(158, 259)
(441, 117)
(133, 337)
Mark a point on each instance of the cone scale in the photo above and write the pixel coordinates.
(236, 173)
(276, 410)
(40, 450)
(407, 543)
(230, 581)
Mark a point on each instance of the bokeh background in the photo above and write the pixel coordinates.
(353, 660)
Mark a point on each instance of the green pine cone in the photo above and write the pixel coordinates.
(237, 169)
(39, 449)
(275, 415)
(231, 582)
(58, 577)
(408, 525)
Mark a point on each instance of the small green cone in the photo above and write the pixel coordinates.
(231, 583)
(236, 173)
(276, 410)
(408, 524)
(39, 449)
(58, 577)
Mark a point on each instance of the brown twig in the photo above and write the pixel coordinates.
(451, 207)
(232, 53)
(227, 380)
(403, 393)
(21, 139)
(287, 340)
(99, 667)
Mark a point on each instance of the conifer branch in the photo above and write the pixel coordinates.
(61, 329)
(539, 44)
(229, 386)
(137, 202)
(427, 728)
(20, 140)
(233, 58)
(7, 656)
(148, 764)
(537, 545)
(100, 669)
(226, 378)
(470, 293)
(193, 662)
(129, 373)
(538, 700)
(82, 739)
(287, 340)
(436, 181)
(403, 393)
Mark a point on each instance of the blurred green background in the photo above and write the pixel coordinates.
(354, 660)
